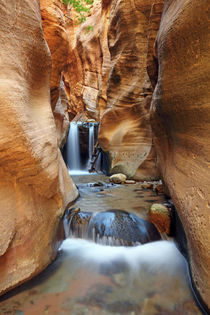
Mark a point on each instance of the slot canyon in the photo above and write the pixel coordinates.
(104, 153)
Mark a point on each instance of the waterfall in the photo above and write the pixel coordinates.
(73, 149)
(91, 142)
(79, 153)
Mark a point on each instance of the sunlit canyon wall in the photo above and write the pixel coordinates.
(34, 183)
(106, 78)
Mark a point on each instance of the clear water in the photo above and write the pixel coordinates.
(92, 279)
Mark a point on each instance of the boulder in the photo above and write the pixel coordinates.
(160, 216)
(35, 186)
(117, 178)
(117, 227)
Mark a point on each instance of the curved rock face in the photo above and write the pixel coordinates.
(106, 79)
(125, 131)
(180, 120)
(34, 183)
(87, 71)
(54, 27)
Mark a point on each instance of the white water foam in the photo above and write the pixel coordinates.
(154, 256)
(78, 172)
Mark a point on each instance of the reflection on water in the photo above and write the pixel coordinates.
(89, 278)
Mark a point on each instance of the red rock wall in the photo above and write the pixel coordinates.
(85, 75)
(180, 121)
(125, 131)
(113, 49)
(34, 183)
(55, 33)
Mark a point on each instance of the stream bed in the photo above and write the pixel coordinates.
(88, 278)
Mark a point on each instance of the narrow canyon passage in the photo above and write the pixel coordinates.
(104, 157)
(88, 278)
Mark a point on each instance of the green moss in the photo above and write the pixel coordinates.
(81, 7)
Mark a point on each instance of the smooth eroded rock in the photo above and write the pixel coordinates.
(180, 121)
(125, 131)
(35, 186)
(55, 33)
(122, 228)
(160, 216)
(118, 178)
(112, 227)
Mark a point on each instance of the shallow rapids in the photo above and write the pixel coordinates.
(161, 256)
(88, 278)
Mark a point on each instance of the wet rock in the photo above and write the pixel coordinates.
(160, 216)
(75, 222)
(97, 184)
(130, 181)
(117, 227)
(113, 227)
(147, 185)
(158, 188)
(118, 178)
(91, 120)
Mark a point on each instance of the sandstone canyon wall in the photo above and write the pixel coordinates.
(55, 33)
(106, 79)
(34, 183)
(85, 75)
(125, 131)
(181, 125)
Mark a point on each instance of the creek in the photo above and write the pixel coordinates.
(89, 278)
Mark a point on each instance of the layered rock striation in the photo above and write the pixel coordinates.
(106, 79)
(180, 120)
(34, 183)
(125, 131)
(55, 33)
(86, 73)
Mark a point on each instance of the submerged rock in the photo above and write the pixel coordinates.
(118, 178)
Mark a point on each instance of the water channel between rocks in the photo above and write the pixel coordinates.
(88, 278)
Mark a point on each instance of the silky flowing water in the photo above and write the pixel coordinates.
(88, 278)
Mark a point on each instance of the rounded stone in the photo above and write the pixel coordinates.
(118, 178)
(121, 228)
(160, 217)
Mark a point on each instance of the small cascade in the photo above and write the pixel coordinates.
(112, 228)
(73, 148)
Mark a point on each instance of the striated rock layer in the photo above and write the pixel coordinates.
(106, 79)
(125, 131)
(180, 120)
(54, 27)
(34, 183)
(86, 73)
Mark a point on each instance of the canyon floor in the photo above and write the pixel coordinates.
(90, 279)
